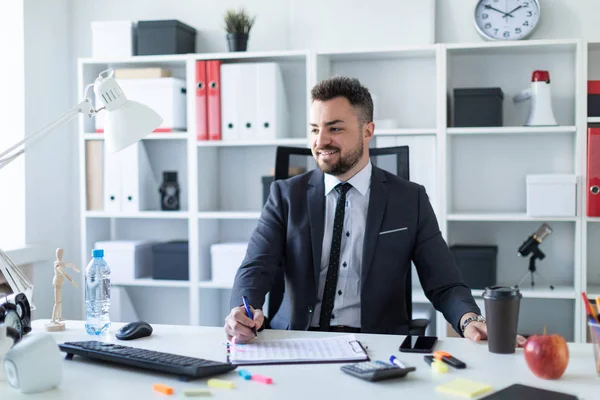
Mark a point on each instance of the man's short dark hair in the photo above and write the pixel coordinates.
(347, 87)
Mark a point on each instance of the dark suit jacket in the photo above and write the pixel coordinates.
(290, 235)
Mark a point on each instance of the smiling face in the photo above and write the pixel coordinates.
(340, 139)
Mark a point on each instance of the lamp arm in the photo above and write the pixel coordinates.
(85, 106)
(17, 280)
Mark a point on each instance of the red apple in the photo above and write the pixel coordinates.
(547, 355)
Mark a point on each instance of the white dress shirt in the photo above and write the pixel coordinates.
(346, 306)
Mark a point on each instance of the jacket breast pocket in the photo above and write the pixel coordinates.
(394, 241)
(391, 231)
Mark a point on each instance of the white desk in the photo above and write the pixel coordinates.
(86, 380)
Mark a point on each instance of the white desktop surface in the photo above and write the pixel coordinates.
(84, 379)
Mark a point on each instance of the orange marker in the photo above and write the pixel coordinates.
(159, 387)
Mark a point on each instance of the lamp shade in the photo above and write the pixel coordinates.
(128, 124)
(127, 121)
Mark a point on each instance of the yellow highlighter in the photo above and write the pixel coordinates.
(436, 365)
(220, 383)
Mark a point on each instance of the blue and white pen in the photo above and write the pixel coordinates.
(397, 362)
(249, 313)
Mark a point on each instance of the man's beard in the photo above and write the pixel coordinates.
(344, 163)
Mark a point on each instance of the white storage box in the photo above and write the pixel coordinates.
(127, 259)
(551, 195)
(166, 96)
(113, 39)
(226, 259)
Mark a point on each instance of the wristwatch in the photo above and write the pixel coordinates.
(479, 318)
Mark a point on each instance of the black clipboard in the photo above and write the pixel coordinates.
(524, 392)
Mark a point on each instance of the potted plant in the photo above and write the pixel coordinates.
(238, 25)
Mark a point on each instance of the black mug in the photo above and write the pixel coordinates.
(502, 305)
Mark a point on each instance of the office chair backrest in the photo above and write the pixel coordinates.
(282, 164)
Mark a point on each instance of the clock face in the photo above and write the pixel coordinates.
(506, 19)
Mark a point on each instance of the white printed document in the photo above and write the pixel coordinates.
(313, 350)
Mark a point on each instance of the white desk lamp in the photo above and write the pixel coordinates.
(127, 122)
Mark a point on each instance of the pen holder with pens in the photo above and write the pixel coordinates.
(595, 335)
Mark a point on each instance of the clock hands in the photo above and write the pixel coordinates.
(487, 6)
(512, 11)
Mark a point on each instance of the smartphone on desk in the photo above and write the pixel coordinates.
(418, 344)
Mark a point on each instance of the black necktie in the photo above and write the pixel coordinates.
(334, 257)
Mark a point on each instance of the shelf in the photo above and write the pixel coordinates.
(179, 59)
(404, 132)
(148, 282)
(540, 292)
(592, 219)
(511, 130)
(235, 143)
(524, 47)
(253, 56)
(593, 120)
(214, 285)
(503, 217)
(381, 54)
(286, 55)
(229, 215)
(152, 136)
(592, 291)
(140, 214)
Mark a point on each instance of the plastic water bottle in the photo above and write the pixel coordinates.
(97, 295)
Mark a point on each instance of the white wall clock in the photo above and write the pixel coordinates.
(506, 19)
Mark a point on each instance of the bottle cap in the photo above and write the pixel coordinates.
(98, 253)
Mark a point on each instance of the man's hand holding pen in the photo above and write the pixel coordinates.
(239, 326)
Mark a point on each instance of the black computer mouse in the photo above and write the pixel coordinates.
(134, 330)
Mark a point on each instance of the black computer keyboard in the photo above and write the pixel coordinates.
(186, 367)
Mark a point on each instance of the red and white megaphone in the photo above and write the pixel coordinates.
(540, 113)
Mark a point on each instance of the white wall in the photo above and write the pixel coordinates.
(57, 32)
(280, 24)
(51, 194)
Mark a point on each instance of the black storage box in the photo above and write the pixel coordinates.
(171, 260)
(593, 98)
(477, 264)
(165, 37)
(478, 107)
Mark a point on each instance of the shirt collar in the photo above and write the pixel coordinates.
(360, 181)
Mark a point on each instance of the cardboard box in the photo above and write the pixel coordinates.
(142, 73)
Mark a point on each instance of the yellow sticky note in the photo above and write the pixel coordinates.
(220, 383)
(464, 388)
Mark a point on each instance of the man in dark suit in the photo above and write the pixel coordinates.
(346, 234)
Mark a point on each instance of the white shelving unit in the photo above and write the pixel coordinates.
(221, 181)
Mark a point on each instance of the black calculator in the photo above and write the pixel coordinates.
(375, 370)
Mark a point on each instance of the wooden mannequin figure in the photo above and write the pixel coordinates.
(56, 324)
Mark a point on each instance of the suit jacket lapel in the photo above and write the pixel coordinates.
(315, 198)
(377, 203)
